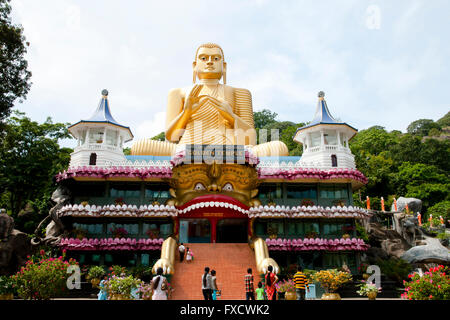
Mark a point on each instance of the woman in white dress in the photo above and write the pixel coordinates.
(159, 285)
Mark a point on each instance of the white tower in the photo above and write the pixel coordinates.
(100, 138)
(325, 140)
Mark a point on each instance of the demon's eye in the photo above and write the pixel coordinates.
(199, 186)
(228, 187)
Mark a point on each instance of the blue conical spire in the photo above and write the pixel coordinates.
(322, 113)
(103, 113)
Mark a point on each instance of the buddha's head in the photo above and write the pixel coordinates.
(209, 63)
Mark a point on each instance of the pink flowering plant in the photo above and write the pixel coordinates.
(285, 286)
(43, 277)
(146, 291)
(119, 232)
(366, 287)
(433, 285)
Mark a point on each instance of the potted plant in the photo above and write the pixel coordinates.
(119, 201)
(272, 233)
(368, 289)
(146, 291)
(79, 233)
(286, 288)
(331, 280)
(119, 232)
(363, 269)
(95, 274)
(7, 288)
(307, 203)
(311, 234)
(152, 233)
(120, 288)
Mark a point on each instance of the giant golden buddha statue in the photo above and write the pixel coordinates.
(209, 112)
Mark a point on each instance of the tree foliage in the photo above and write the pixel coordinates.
(14, 75)
(422, 127)
(30, 157)
(264, 118)
(399, 164)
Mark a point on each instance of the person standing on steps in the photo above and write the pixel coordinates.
(271, 278)
(207, 284)
(189, 255)
(215, 290)
(181, 250)
(249, 288)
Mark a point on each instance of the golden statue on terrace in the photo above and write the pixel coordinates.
(209, 112)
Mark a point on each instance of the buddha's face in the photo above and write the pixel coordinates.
(209, 63)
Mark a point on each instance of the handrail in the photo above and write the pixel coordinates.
(263, 261)
(167, 260)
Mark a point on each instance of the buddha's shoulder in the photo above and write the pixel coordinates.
(238, 91)
(177, 92)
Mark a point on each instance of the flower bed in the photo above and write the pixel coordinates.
(110, 244)
(316, 244)
(433, 285)
(43, 277)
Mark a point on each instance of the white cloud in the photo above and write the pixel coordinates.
(152, 127)
(283, 52)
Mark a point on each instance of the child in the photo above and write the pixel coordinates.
(189, 255)
(259, 292)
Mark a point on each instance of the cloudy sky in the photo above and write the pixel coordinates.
(379, 62)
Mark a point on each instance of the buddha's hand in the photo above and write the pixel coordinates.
(221, 105)
(192, 100)
(266, 262)
(164, 264)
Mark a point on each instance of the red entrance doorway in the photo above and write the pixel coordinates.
(213, 218)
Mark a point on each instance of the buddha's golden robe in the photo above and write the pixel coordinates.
(208, 126)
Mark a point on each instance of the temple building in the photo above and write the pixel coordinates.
(134, 209)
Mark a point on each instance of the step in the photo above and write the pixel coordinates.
(230, 260)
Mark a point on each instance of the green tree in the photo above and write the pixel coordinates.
(421, 127)
(30, 157)
(373, 140)
(440, 209)
(444, 121)
(14, 76)
(161, 137)
(264, 118)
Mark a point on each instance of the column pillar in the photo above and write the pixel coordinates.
(213, 222)
(339, 139)
(322, 140)
(86, 141)
(104, 137)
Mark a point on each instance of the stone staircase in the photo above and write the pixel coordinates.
(230, 260)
